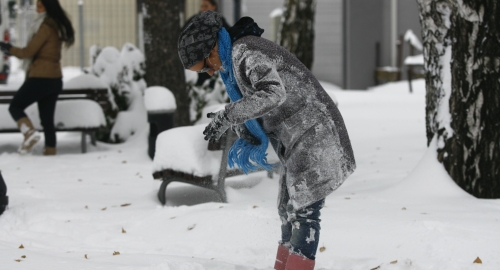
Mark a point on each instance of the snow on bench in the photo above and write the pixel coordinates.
(182, 155)
(69, 115)
(80, 107)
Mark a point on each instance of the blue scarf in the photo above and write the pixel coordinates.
(242, 153)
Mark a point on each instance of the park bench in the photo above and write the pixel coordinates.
(80, 108)
(207, 167)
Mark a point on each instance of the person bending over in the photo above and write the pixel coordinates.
(276, 99)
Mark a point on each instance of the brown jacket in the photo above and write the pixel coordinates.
(45, 49)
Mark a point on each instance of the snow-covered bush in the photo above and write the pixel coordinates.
(123, 72)
(211, 92)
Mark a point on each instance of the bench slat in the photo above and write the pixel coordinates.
(99, 95)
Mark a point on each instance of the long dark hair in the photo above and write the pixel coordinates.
(57, 13)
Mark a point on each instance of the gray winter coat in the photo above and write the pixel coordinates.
(303, 124)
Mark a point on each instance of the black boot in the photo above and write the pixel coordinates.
(4, 200)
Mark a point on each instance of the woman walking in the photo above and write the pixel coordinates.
(42, 62)
(274, 98)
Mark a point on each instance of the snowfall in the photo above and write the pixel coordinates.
(99, 210)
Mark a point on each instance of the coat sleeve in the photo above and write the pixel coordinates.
(36, 43)
(267, 90)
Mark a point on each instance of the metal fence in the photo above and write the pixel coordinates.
(105, 23)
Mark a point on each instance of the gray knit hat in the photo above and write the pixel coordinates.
(198, 38)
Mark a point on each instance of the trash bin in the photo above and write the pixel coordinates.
(161, 106)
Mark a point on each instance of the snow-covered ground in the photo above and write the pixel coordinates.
(99, 210)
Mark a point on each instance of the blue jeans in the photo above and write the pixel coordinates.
(300, 228)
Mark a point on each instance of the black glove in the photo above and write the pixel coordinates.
(5, 47)
(217, 127)
(243, 133)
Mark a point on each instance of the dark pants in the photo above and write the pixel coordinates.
(44, 91)
(300, 228)
(3, 187)
(4, 200)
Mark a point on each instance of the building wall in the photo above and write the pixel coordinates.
(191, 7)
(385, 57)
(346, 31)
(227, 10)
(328, 46)
(362, 36)
(259, 10)
(105, 23)
(408, 18)
(327, 64)
(376, 26)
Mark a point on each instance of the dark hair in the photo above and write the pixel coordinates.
(213, 3)
(57, 13)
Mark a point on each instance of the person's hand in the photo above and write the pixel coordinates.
(243, 133)
(5, 47)
(217, 126)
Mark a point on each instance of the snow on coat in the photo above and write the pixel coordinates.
(303, 124)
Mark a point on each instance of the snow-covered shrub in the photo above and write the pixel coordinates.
(123, 72)
(211, 92)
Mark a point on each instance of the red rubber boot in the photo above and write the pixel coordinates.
(281, 258)
(297, 262)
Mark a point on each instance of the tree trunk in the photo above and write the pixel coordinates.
(462, 61)
(296, 32)
(163, 66)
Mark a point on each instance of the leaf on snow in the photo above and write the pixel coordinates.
(322, 249)
(24, 256)
(376, 268)
(21, 246)
(85, 256)
(125, 204)
(404, 208)
(477, 260)
(18, 260)
(124, 161)
(191, 227)
(394, 262)
(104, 209)
(116, 253)
(255, 206)
(124, 231)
